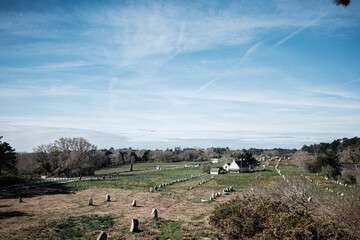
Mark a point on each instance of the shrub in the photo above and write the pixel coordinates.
(329, 171)
(205, 168)
(349, 177)
(258, 218)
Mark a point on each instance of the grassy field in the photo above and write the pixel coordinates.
(65, 214)
(142, 166)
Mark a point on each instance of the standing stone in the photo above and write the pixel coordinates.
(20, 199)
(151, 189)
(134, 225)
(108, 198)
(154, 213)
(133, 203)
(90, 201)
(102, 236)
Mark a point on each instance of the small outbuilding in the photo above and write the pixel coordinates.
(215, 171)
(214, 160)
(347, 167)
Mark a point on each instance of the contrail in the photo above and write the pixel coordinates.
(349, 82)
(279, 43)
(206, 85)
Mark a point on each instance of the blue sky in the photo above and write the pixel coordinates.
(160, 74)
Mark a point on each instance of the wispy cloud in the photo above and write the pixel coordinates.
(173, 71)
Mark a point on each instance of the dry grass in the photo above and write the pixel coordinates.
(181, 206)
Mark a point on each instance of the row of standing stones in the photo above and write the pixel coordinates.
(201, 183)
(163, 185)
(312, 181)
(134, 222)
(154, 213)
(225, 191)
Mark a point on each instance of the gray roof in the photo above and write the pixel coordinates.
(349, 166)
(214, 169)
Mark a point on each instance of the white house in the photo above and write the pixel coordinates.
(226, 166)
(214, 170)
(238, 166)
(214, 160)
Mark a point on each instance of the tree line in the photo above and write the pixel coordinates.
(326, 158)
(78, 157)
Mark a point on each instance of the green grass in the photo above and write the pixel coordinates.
(143, 181)
(141, 167)
(171, 231)
(201, 216)
(138, 181)
(242, 181)
(79, 227)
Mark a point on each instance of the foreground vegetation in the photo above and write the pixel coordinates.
(182, 214)
(310, 199)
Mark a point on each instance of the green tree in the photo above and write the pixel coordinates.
(328, 164)
(342, 2)
(7, 156)
(248, 158)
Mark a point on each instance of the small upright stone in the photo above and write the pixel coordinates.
(90, 201)
(102, 236)
(151, 189)
(108, 198)
(134, 225)
(154, 213)
(133, 203)
(20, 199)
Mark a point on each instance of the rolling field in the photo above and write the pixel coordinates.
(66, 214)
(141, 167)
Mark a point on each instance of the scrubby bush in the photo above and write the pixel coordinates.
(349, 177)
(345, 211)
(329, 164)
(205, 168)
(259, 218)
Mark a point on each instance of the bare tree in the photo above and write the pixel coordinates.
(303, 159)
